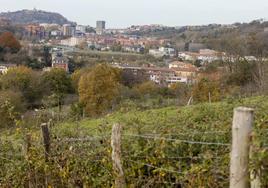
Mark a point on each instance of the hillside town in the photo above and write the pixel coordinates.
(181, 65)
(105, 99)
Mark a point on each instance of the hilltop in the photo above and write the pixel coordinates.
(35, 16)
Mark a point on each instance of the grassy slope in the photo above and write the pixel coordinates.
(204, 117)
(195, 123)
(90, 162)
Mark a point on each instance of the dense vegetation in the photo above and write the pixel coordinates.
(156, 149)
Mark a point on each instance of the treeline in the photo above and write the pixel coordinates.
(102, 89)
(24, 89)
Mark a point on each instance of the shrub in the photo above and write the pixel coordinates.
(11, 107)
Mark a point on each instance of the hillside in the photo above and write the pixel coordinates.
(168, 147)
(214, 36)
(35, 16)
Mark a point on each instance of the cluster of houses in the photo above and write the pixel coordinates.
(127, 43)
(204, 55)
(163, 52)
(176, 72)
(98, 38)
(103, 39)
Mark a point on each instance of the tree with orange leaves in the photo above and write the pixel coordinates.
(9, 42)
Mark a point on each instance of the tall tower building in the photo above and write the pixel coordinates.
(68, 30)
(100, 27)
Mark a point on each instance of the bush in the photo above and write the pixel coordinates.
(11, 107)
(25, 81)
(147, 89)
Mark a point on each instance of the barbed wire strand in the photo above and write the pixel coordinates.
(178, 140)
(85, 139)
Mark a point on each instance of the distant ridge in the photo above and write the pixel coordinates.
(35, 16)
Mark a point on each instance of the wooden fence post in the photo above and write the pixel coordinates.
(46, 139)
(116, 156)
(241, 132)
(190, 101)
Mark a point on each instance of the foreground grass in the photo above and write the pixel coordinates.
(161, 158)
(215, 116)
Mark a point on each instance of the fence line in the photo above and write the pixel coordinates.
(85, 139)
(192, 133)
(239, 171)
(186, 157)
(177, 140)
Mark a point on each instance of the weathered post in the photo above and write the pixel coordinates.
(190, 101)
(116, 156)
(241, 132)
(46, 139)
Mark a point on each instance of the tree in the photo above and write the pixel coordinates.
(206, 90)
(242, 74)
(181, 91)
(130, 79)
(257, 47)
(148, 88)
(57, 84)
(9, 42)
(24, 80)
(47, 56)
(99, 88)
(76, 77)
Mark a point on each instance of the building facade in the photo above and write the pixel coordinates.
(100, 27)
(68, 30)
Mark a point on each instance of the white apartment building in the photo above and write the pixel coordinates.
(73, 41)
(162, 51)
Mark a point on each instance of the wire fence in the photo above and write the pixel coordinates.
(170, 159)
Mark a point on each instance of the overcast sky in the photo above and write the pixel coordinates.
(123, 13)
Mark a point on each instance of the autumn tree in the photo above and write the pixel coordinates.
(99, 88)
(206, 90)
(75, 77)
(8, 42)
(24, 80)
(57, 83)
